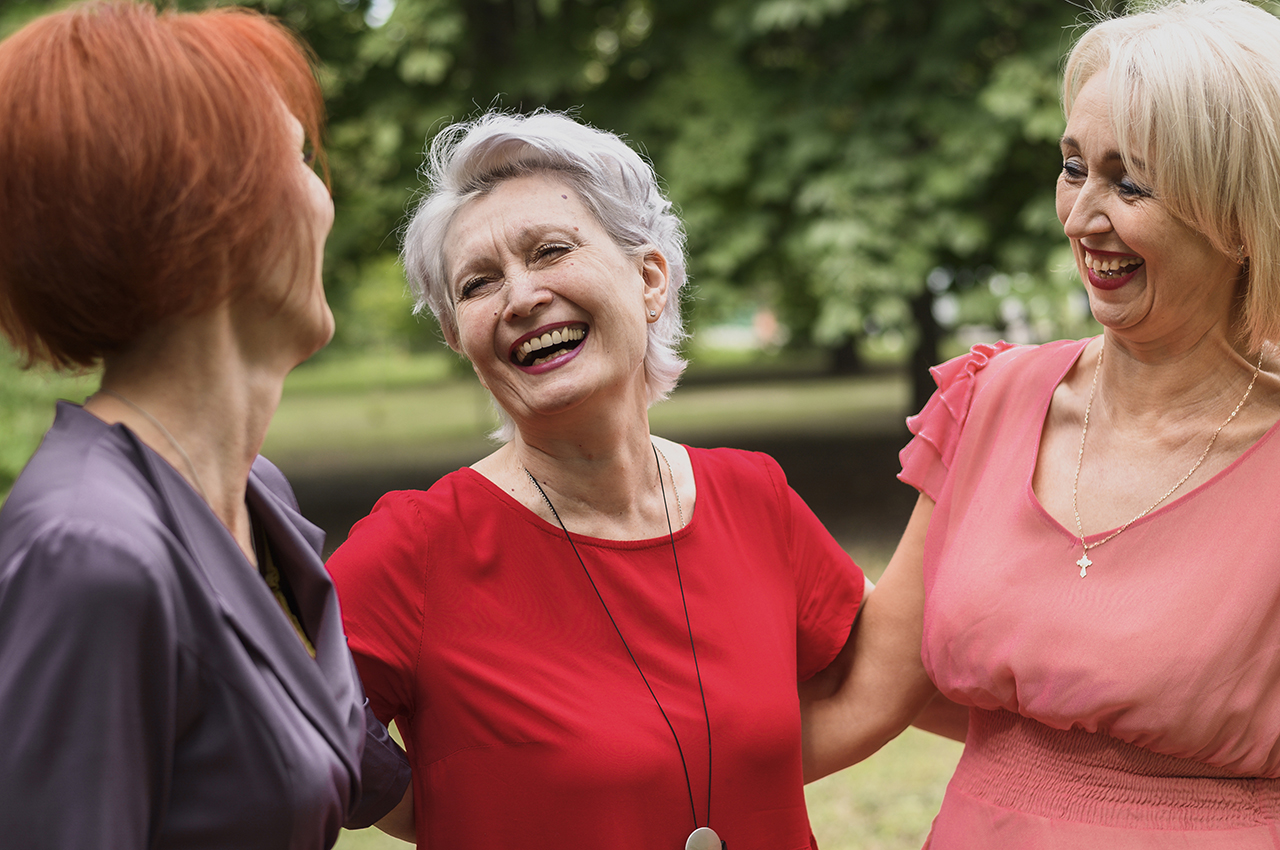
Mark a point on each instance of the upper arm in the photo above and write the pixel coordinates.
(379, 574)
(87, 685)
(877, 684)
(828, 585)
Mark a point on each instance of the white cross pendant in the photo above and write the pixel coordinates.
(1084, 564)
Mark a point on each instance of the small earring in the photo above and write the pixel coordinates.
(1240, 255)
(653, 313)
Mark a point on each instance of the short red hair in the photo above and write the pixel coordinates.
(144, 169)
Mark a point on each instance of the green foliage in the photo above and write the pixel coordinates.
(827, 155)
(26, 410)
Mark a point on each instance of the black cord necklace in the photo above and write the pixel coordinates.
(702, 837)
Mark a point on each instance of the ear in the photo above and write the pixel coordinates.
(655, 275)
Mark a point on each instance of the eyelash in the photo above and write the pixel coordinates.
(1127, 188)
(468, 288)
(543, 250)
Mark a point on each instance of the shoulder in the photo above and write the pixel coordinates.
(436, 507)
(735, 467)
(988, 369)
(88, 574)
(405, 525)
(738, 479)
(86, 478)
(979, 384)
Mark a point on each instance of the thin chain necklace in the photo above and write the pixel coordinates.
(195, 476)
(702, 837)
(1084, 563)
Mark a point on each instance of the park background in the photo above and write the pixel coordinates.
(867, 187)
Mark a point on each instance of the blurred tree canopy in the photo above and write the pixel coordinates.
(866, 168)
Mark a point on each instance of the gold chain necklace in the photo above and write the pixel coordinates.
(1084, 563)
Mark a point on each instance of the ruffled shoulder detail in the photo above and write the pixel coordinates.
(937, 428)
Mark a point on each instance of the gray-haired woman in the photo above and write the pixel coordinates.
(593, 636)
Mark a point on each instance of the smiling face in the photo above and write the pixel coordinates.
(1149, 277)
(550, 311)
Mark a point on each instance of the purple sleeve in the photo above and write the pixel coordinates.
(384, 774)
(88, 671)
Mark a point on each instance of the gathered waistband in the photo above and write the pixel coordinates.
(1021, 764)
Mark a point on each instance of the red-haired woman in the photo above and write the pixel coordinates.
(173, 671)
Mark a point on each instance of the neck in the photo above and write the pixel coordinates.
(603, 486)
(191, 396)
(1137, 383)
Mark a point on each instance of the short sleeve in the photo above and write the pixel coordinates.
(379, 573)
(87, 684)
(936, 429)
(829, 585)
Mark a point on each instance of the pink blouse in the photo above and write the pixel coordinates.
(1162, 663)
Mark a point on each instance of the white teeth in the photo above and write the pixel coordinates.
(551, 338)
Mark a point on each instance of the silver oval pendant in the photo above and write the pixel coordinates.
(703, 838)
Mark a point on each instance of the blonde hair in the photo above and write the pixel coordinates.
(1194, 87)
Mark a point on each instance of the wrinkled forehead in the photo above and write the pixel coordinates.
(510, 211)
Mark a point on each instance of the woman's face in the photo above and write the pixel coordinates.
(290, 299)
(1149, 277)
(317, 220)
(549, 310)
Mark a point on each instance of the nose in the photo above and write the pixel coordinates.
(525, 294)
(1082, 210)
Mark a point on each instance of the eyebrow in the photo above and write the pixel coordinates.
(1109, 156)
(526, 234)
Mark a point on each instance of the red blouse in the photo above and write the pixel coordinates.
(526, 722)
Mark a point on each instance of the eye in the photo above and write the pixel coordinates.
(1132, 190)
(550, 250)
(473, 287)
(308, 156)
(1072, 169)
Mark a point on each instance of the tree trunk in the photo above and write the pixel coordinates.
(846, 358)
(925, 354)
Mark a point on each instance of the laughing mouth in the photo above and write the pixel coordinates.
(540, 349)
(1109, 268)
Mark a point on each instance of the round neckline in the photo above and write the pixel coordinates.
(547, 526)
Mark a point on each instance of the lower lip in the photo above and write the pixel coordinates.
(1108, 284)
(554, 362)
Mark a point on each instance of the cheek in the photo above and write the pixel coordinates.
(1064, 199)
(473, 334)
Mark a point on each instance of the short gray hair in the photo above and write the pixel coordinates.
(1195, 106)
(468, 159)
